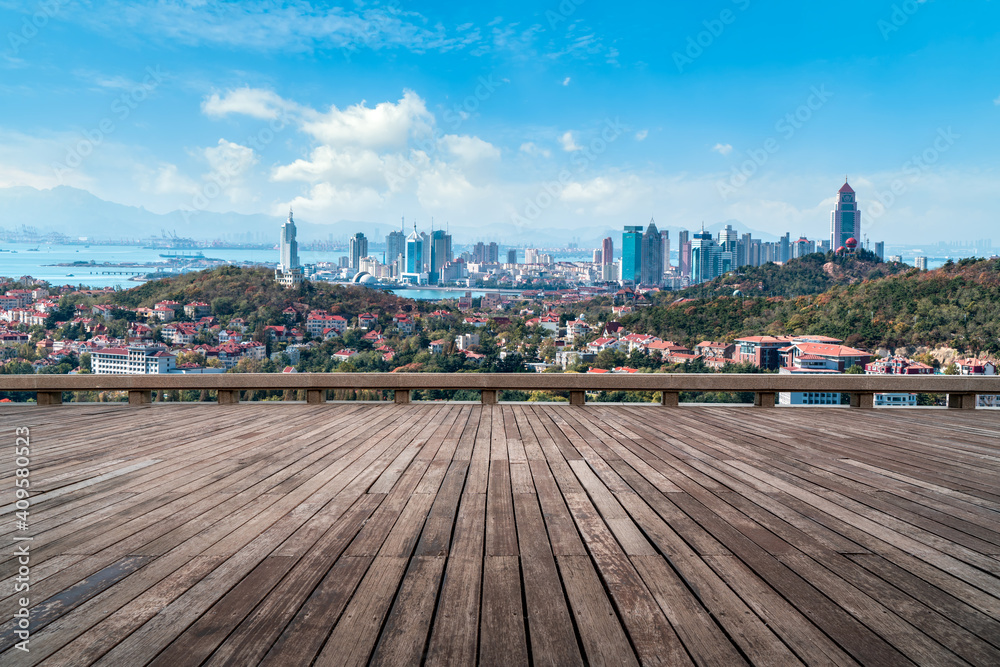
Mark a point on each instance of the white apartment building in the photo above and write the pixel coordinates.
(133, 360)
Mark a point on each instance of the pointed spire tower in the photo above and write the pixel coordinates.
(845, 219)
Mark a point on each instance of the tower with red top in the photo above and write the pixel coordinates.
(845, 220)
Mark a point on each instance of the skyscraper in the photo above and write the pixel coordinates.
(665, 235)
(395, 245)
(728, 238)
(845, 220)
(880, 250)
(289, 271)
(512, 256)
(359, 249)
(414, 253)
(440, 245)
(632, 253)
(608, 251)
(704, 255)
(651, 267)
(289, 247)
(785, 248)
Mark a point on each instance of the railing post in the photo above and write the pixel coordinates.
(670, 399)
(763, 399)
(489, 396)
(577, 398)
(229, 396)
(48, 397)
(140, 397)
(962, 401)
(402, 396)
(865, 400)
(315, 396)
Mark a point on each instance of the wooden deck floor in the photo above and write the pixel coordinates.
(517, 534)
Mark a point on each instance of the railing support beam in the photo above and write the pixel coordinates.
(229, 396)
(763, 399)
(315, 396)
(670, 399)
(402, 396)
(577, 398)
(48, 397)
(140, 397)
(489, 397)
(863, 400)
(962, 401)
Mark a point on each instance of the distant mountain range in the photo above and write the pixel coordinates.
(76, 213)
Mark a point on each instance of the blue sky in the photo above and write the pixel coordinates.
(571, 115)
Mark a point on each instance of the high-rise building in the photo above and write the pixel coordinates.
(651, 267)
(289, 271)
(705, 257)
(531, 256)
(845, 220)
(608, 251)
(684, 259)
(289, 247)
(728, 239)
(785, 248)
(358, 249)
(415, 253)
(395, 245)
(665, 238)
(440, 253)
(632, 253)
(512, 256)
(597, 257)
(493, 253)
(880, 250)
(920, 262)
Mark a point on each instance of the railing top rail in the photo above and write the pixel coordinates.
(764, 382)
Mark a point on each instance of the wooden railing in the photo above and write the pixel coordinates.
(961, 390)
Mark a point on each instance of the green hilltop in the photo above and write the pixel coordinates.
(865, 303)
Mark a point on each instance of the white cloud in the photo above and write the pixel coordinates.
(230, 159)
(641, 135)
(569, 142)
(253, 102)
(566, 81)
(470, 149)
(530, 148)
(385, 125)
(723, 149)
(997, 101)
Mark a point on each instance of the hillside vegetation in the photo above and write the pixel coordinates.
(254, 295)
(957, 305)
(811, 274)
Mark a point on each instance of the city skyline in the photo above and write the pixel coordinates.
(168, 113)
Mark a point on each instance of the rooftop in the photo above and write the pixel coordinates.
(457, 533)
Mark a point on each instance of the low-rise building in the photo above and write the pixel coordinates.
(132, 360)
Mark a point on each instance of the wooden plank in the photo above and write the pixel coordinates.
(501, 535)
(654, 640)
(553, 641)
(502, 637)
(455, 634)
(355, 634)
(303, 638)
(408, 625)
(601, 632)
